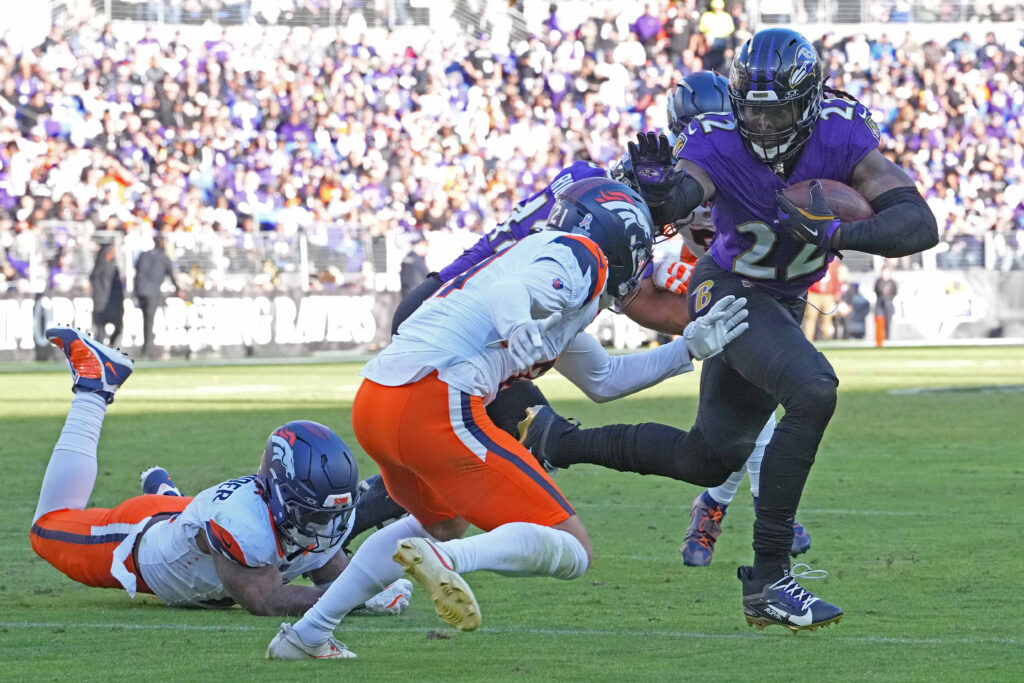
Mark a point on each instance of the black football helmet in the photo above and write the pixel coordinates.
(775, 89)
(617, 219)
(310, 482)
(699, 93)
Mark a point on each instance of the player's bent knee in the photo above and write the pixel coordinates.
(814, 401)
(573, 558)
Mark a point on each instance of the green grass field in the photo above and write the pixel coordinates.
(914, 507)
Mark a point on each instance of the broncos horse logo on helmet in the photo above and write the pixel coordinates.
(616, 218)
(775, 87)
(309, 479)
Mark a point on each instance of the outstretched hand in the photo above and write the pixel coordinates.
(653, 166)
(707, 335)
(815, 225)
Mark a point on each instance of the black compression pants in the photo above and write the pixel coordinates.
(771, 364)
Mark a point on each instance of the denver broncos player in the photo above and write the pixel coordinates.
(780, 131)
(240, 541)
(526, 217)
(420, 411)
(699, 93)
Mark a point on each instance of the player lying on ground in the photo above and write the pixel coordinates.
(240, 541)
(420, 411)
(779, 132)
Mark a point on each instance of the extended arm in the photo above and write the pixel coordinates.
(671, 191)
(658, 309)
(262, 591)
(603, 377)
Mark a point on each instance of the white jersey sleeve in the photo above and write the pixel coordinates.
(603, 377)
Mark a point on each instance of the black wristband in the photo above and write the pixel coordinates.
(685, 196)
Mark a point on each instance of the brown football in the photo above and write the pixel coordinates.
(846, 203)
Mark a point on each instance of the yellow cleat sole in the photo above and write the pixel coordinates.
(760, 623)
(452, 597)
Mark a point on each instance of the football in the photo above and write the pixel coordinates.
(846, 203)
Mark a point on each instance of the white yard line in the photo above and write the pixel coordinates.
(351, 627)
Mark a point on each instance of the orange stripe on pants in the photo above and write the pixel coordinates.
(441, 457)
(81, 543)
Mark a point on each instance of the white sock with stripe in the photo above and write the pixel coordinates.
(71, 473)
(372, 569)
(519, 549)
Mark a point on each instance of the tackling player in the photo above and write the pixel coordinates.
(240, 541)
(420, 411)
(780, 131)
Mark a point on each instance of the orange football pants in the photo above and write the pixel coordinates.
(81, 543)
(441, 457)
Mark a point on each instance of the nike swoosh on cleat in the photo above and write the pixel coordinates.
(802, 619)
(813, 232)
(111, 366)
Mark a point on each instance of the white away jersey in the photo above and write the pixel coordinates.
(236, 523)
(561, 272)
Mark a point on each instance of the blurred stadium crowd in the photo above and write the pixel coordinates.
(237, 146)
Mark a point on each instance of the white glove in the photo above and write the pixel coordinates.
(526, 341)
(673, 276)
(707, 335)
(392, 600)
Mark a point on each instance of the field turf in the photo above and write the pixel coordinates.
(914, 507)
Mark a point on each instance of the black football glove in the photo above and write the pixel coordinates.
(816, 225)
(653, 167)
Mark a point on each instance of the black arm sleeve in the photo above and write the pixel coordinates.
(685, 196)
(413, 299)
(903, 224)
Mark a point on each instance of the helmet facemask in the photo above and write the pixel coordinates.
(775, 130)
(314, 528)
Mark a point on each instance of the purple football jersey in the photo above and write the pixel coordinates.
(527, 216)
(747, 240)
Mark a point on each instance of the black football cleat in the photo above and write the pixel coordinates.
(785, 602)
(539, 433)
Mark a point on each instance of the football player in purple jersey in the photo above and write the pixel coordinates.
(781, 130)
(700, 93)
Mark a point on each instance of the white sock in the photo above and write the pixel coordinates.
(754, 461)
(726, 491)
(71, 473)
(371, 569)
(519, 549)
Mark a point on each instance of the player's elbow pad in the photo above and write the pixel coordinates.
(903, 224)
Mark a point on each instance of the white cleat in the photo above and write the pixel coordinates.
(453, 599)
(287, 645)
(392, 600)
